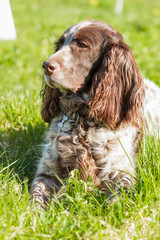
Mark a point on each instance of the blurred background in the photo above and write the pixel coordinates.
(39, 23)
(81, 211)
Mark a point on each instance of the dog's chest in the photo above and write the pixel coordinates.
(73, 135)
(74, 114)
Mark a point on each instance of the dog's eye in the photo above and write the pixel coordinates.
(60, 43)
(82, 45)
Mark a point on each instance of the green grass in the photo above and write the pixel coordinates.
(80, 211)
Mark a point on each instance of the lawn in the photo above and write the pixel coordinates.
(80, 211)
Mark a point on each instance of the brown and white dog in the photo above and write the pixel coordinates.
(96, 104)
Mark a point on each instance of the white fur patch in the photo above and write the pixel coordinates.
(151, 107)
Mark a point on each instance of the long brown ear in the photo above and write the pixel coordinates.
(117, 90)
(50, 100)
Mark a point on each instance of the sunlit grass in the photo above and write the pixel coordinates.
(80, 211)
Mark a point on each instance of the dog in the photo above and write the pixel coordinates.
(96, 103)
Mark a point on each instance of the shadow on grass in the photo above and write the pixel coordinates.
(22, 147)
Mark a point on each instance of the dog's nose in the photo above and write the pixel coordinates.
(50, 66)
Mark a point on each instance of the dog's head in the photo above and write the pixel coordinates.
(92, 56)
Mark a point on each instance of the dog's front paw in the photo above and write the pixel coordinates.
(39, 197)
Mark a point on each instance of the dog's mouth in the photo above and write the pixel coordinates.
(53, 83)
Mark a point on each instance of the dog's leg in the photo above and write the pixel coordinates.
(116, 182)
(46, 181)
(43, 188)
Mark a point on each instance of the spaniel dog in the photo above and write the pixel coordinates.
(96, 104)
